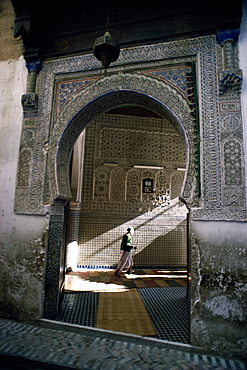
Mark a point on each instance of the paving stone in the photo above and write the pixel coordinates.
(65, 349)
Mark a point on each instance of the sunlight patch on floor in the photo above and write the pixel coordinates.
(135, 276)
(76, 283)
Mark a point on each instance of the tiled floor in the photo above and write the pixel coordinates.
(105, 280)
(149, 302)
(124, 312)
(56, 345)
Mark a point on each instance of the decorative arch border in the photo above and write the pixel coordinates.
(107, 93)
(202, 52)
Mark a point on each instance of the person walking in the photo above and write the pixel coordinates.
(126, 259)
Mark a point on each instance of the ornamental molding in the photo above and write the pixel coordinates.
(230, 82)
(111, 90)
(129, 77)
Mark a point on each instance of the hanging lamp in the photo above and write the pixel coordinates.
(106, 49)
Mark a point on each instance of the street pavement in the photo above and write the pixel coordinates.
(46, 344)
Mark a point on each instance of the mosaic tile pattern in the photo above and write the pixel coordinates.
(147, 302)
(28, 346)
(169, 310)
(124, 312)
(161, 239)
(79, 308)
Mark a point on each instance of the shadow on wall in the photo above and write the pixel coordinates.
(169, 249)
(160, 236)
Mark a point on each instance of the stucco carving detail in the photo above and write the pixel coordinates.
(117, 193)
(29, 103)
(176, 184)
(169, 96)
(230, 81)
(101, 184)
(214, 108)
(232, 157)
(23, 175)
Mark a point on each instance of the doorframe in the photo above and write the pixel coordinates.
(171, 103)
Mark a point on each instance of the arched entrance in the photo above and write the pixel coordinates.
(103, 95)
(124, 150)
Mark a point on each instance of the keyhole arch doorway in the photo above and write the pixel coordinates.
(121, 138)
(115, 91)
(108, 93)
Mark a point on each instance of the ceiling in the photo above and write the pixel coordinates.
(57, 28)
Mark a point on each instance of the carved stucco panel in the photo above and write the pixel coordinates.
(199, 50)
(136, 83)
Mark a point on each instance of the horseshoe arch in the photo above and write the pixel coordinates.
(111, 92)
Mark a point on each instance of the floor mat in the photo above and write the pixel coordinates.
(124, 312)
(79, 308)
(169, 311)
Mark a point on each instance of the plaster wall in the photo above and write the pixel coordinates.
(219, 286)
(10, 47)
(21, 237)
(218, 252)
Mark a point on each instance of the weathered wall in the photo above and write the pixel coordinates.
(218, 252)
(10, 48)
(243, 66)
(219, 287)
(21, 237)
